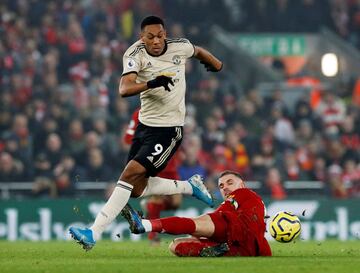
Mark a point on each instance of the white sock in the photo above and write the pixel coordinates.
(112, 208)
(147, 225)
(162, 186)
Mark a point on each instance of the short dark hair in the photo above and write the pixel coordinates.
(230, 172)
(151, 20)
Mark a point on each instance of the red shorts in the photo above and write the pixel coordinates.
(221, 227)
(248, 244)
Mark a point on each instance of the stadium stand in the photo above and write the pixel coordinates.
(62, 121)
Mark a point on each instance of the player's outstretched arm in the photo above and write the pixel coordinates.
(210, 62)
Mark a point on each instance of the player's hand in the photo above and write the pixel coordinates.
(210, 67)
(159, 81)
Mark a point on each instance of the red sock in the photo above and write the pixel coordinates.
(153, 212)
(154, 209)
(173, 225)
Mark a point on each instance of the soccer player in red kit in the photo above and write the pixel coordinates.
(235, 228)
(157, 203)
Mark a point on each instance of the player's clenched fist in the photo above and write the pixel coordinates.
(159, 81)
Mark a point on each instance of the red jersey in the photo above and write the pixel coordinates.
(244, 211)
(170, 172)
(130, 130)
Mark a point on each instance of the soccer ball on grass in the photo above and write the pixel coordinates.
(285, 227)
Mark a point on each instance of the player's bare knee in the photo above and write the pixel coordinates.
(133, 173)
(138, 189)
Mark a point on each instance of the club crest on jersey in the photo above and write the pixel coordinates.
(176, 59)
(131, 63)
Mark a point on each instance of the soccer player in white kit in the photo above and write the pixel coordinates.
(153, 67)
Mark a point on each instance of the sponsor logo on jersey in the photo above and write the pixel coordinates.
(151, 158)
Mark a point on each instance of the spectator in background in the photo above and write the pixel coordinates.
(81, 96)
(21, 90)
(258, 102)
(336, 153)
(43, 177)
(10, 169)
(5, 116)
(303, 113)
(205, 95)
(304, 134)
(20, 131)
(349, 134)
(75, 41)
(331, 110)
(75, 136)
(247, 116)
(191, 127)
(340, 17)
(249, 140)
(336, 184)
(351, 177)
(273, 184)
(53, 149)
(120, 115)
(275, 101)
(212, 134)
(92, 141)
(267, 156)
(283, 129)
(306, 155)
(292, 168)
(107, 141)
(96, 169)
(191, 164)
(66, 174)
(48, 126)
(236, 154)
(230, 109)
(319, 172)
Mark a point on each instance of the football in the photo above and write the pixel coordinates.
(285, 227)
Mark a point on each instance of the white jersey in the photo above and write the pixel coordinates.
(160, 108)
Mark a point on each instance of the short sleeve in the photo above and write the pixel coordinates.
(131, 64)
(189, 48)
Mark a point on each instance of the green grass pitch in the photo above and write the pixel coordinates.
(138, 257)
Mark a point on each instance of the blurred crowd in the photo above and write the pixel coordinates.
(62, 121)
